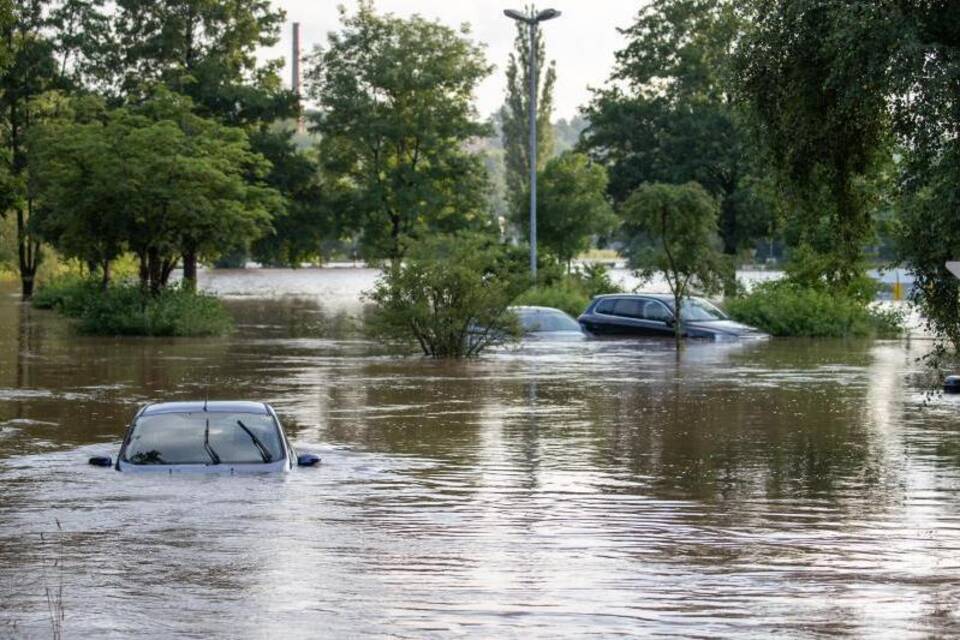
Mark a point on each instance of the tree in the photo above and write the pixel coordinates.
(205, 49)
(82, 206)
(450, 295)
(677, 225)
(669, 115)
(298, 233)
(572, 205)
(515, 113)
(813, 76)
(395, 112)
(158, 181)
(47, 47)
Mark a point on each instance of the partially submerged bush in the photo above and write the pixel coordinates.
(68, 294)
(784, 308)
(571, 292)
(449, 296)
(124, 309)
(564, 295)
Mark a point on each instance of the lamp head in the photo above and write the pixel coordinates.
(547, 14)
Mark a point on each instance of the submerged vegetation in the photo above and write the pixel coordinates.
(784, 308)
(449, 296)
(571, 292)
(126, 309)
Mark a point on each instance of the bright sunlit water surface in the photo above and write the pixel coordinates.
(790, 487)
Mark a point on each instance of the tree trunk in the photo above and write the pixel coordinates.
(677, 321)
(144, 271)
(26, 285)
(105, 275)
(28, 254)
(166, 268)
(190, 270)
(154, 270)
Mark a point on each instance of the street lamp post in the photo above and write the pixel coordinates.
(532, 21)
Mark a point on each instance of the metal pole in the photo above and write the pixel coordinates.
(533, 148)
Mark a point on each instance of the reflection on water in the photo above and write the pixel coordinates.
(788, 487)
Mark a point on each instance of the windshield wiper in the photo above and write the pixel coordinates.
(206, 445)
(264, 452)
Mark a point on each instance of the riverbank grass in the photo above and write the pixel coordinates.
(125, 310)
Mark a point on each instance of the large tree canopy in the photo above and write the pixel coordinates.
(571, 205)
(158, 181)
(395, 112)
(668, 114)
(205, 49)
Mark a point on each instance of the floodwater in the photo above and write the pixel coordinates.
(793, 488)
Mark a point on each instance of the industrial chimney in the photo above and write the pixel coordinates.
(295, 69)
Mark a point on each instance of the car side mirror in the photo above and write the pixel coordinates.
(308, 460)
(100, 461)
(669, 322)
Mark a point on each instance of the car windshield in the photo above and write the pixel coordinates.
(534, 320)
(204, 438)
(695, 309)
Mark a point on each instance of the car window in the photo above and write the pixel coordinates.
(543, 320)
(629, 307)
(605, 306)
(204, 438)
(654, 310)
(697, 309)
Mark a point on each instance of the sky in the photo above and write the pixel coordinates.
(582, 40)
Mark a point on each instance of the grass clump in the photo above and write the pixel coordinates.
(784, 308)
(126, 310)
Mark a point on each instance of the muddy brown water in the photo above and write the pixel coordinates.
(793, 488)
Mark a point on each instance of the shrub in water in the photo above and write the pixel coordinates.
(449, 296)
(571, 292)
(124, 309)
(784, 308)
(68, 295)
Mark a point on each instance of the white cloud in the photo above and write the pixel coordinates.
(582, 40)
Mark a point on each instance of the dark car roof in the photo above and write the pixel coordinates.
(664, 297)
(213, 406)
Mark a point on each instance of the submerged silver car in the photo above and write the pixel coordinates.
(231, 437)
(547, 323)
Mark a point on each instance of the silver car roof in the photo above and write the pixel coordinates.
(213, 406)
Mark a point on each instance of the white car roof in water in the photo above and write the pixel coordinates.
(213, 406)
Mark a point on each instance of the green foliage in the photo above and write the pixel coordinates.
(204, 49)
(784, 308)
(515, 114)
(68, 294)
(156, 180)
(812, 74)
(808, 269)
(570, 292)
(571, 206)
(449, 296)
(395, 114)
(667, 116)
(564, 295)
(929, 237)
(125, 309)
(298, 232)
(675, 233)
